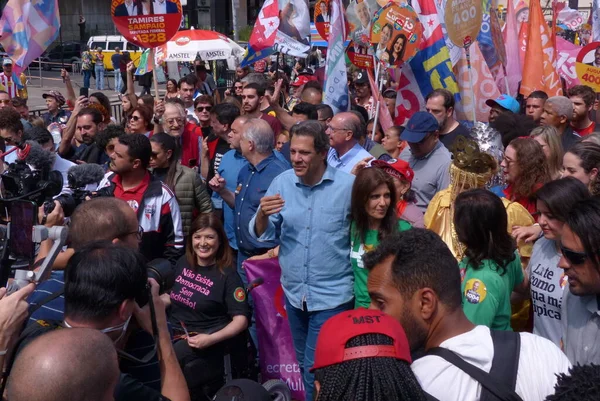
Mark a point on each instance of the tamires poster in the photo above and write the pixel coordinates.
(147, 23)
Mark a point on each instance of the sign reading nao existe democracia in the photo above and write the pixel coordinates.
(147, 23)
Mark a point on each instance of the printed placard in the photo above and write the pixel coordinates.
(359, 15)
(463, 21)
(147, 23)
(396, 34)
(588, 65)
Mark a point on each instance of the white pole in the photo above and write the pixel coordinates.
(234, 6)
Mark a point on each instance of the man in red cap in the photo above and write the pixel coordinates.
(363, 355)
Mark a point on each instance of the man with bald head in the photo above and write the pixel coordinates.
(61, 362)
(312, 96)
(345, 152)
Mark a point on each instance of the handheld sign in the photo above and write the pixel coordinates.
(396, 34)
(147, 23)
(588, 65)
(463, 21)
(323, 18)
(360, 17)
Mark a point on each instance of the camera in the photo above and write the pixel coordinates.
(162, 271)
(38, 186)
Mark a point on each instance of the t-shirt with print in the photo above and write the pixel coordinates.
(547, 282)
(205, 299)
(132, 196)
(357, 250)
(486, 293)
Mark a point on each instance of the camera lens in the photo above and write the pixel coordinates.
(162, 271)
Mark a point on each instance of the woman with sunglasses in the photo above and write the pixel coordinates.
(190, 191)
(491, 268)
(202, 108)
(373, 218)
(236, 90)
(209, 310)
(547, 281)
(140, 121)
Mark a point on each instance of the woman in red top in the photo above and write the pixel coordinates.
(525, 171)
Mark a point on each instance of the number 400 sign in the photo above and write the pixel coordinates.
(463, 21)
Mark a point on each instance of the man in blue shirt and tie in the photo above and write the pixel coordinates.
(308, 210)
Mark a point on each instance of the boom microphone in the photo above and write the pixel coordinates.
(84, 174)
(37, 157)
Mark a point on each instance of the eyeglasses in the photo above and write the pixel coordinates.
(205, 108)
(5, 101)
(329, 127)
(138, 234)
(574, 257)
(238, 87)
(172, 121)
(135, 118)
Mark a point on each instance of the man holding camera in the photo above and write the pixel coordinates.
(106, 289)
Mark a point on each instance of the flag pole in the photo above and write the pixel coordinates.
(154, 77)
(376, 115)
(471, 83)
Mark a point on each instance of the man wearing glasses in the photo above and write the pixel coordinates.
(345, 152)
(427, 156)
(172, 120)
(580, 249)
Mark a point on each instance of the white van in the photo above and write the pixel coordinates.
(108, 43)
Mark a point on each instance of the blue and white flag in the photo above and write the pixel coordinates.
(336, 79)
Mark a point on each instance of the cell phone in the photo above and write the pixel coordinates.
(84, 92)
(23, 216)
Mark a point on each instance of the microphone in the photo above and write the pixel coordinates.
(33, 154)
(84, 174)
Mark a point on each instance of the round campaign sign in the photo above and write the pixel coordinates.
(359, 15)
(588, 65)
(396, 34)
(147, 23)
(463, 21)
(323, 17)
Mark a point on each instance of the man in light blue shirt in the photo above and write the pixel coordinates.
(345, 152)
(310, 207)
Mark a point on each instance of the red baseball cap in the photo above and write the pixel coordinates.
(339, 329)
(396, 168)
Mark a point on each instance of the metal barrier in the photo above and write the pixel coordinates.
(115, 105)
(47, 66)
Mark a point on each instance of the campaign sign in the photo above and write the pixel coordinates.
(359, 15)
(323, 18)
(463, 21)
(147, 23)
(396, 34)
(588, 65)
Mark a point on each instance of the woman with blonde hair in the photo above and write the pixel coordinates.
(549, 139)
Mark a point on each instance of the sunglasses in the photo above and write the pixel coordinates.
(5, 101)
(201, 109)
(574, 257)
(135, 118)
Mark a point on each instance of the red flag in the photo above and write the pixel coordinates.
(539, 47)
(523, 36)
(265, 28)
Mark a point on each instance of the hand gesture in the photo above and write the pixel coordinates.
(228, 92)
(361, 165)
(528, 234)
(205, 149)
(55, 218)
(64, 75)
(274, 100)
(270, 205)
(13, 312)
(80, 103)
(130, 67)
(200, 341)
(217, 183)
(159, 108)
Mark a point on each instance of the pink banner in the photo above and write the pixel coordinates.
(565, 63)
(275, 344)
(513, 52)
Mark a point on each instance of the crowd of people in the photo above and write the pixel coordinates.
(416, 263)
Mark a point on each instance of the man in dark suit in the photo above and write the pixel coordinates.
(164, 7)
(126, 9)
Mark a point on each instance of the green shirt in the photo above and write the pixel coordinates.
(357, 249)
(486, 293)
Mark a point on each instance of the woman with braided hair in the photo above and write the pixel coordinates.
(363, 355)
